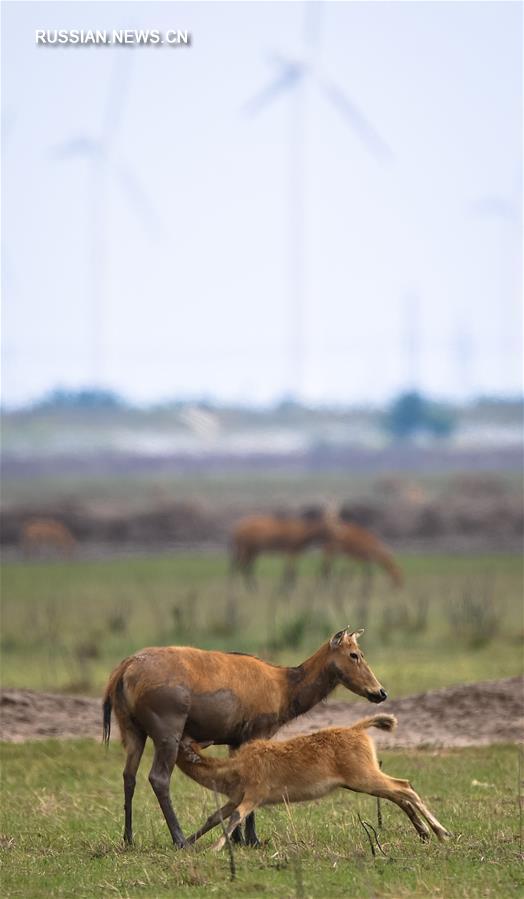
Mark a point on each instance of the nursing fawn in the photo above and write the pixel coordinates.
(266, 772)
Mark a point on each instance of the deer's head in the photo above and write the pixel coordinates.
(350, 667)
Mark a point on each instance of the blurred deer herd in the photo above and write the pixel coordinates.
(287, 534)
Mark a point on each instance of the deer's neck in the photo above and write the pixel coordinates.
(310, 683)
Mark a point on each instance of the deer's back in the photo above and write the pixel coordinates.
(268, 532)
(225, 697)
(307, 766)
(47, 530)
(302, 768)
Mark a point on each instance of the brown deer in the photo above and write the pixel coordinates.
(287, 534)
(266, 772)
(346, 538)
(230, 698)
(47, 534)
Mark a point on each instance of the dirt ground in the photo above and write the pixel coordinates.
(464, 715)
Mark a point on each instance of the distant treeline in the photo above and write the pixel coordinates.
(406, 414)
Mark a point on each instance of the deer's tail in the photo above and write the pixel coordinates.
(114, 699)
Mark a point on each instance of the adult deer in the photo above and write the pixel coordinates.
(166, 693)
(346, 538)
(286, 534)
(47, 534)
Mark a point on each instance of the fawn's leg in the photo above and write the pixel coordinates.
(221, 814)
(401, 793)
(250, 838)
(239, 815)
(414, 799)
(419, 825)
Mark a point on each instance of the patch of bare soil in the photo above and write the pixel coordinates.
(464, 715)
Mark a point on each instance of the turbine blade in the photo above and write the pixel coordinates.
(77, 146)
(313, 21)
(116, 97)
(285, 63)
(284, 82)
(492, 207)
(358, 121)
(139, 200)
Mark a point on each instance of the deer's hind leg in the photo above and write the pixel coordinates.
(134, 742)
(247, 567)
(251, 833)
(289, 572)
(163, 715)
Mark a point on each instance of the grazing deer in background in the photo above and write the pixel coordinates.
(350, 539)
(47, 533)
(166, 693)
(290, 535)
(267, 772)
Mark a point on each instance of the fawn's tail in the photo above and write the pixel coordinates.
(383, 722)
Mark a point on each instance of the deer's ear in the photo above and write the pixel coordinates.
(336, 639)
(357, 634)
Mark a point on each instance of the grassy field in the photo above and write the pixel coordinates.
(62, 821)
(66, 624)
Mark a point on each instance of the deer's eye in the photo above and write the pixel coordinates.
(354, 655)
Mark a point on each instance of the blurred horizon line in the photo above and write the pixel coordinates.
(95, 398)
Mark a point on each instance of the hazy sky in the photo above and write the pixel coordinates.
(411, 268)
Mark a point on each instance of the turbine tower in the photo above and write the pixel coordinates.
(296, 76)
(411, 340)
(505, 214)
(99, 152)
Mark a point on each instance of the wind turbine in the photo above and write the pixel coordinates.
(412, 340)
(99, 153)
(505, 212)
(295, 76)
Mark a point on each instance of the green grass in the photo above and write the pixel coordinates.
(66, 624)
(61, 824)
